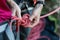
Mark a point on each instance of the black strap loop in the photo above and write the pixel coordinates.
(40, 2)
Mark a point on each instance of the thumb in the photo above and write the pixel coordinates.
(31, 18)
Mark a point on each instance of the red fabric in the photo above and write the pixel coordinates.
(4, 6)
(5, 11)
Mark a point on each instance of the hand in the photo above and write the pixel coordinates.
(34, 20)
(15, 8)
(17, 12)
(36, 15)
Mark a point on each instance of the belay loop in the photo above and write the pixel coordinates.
(26, 20)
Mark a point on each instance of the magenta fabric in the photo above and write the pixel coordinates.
(5, 11)
(36, 31)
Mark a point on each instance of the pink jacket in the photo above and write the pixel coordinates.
(5, 11)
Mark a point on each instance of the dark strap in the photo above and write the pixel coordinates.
(40, 2)
(4, 22)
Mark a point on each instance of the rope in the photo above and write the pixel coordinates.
(25, 19)
(48, 14)
(34, 34)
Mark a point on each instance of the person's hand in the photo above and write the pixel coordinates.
(15, 8)
(34, 20)
(36, 15)
(17, 12)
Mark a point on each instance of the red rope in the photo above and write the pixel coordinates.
(48, 14)
(24, 22)
(36, 31)
(25, 19)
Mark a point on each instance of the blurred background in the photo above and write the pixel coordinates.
(49, 6)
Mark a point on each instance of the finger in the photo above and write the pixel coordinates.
(34, 24)
(18, 11)
(32, 17)
(13, 12)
